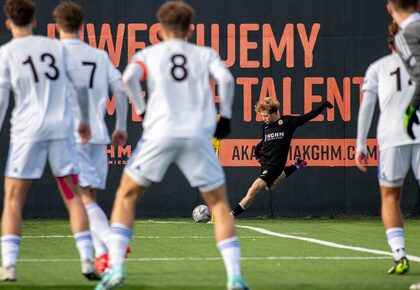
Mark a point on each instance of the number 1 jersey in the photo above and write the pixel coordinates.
(35, 68)
(180, 101)
(388, 79)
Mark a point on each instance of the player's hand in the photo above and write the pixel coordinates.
(223, 128)
(410, 118)
(329, 105)
(361, 161)
(84, 132)
(119, 138)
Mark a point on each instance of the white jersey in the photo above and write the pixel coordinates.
(35, 68)
(180, 101)
(99, 72)
(389, 80)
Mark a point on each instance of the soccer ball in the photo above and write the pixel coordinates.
(201, 214)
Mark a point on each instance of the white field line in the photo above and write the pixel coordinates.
(175, 259)
(324, 243)
(153, 237)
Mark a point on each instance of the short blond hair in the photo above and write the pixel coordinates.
(267, 105)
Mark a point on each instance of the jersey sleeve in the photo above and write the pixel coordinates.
(132, 75)
(113, 73)
(370, 82)
(139, 60)
(4, 70)
(302, 119)
(69, 62)
(364, 119)
(408, 47)
(221, 74)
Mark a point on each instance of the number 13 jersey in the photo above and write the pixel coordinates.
(180, 101)
(35, 68)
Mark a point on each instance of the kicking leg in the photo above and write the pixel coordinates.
(288, 170)
(249, 197)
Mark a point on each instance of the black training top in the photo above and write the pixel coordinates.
(277, 136)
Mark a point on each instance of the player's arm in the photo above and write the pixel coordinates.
(257, 150)
(4, 87)
(119, 136)
(4, 103)
(75, 76)
(407, 42)
(222, 76)
(364, 119)
(299, 121)
(135, 72)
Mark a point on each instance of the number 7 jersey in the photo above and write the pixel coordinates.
(35, 68)
(180, 101)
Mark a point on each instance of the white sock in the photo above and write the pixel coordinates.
(396, 242)
(231, 254)
(117, 244)
(99, 225)
(100, 248)
(84, 245)
(10, 245)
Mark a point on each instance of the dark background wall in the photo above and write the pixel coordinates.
(352, 34)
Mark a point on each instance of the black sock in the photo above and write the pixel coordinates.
(289, 170)
(237, 210)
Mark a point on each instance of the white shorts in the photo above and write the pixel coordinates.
(27, 160)
(195, 158)
(395, 162)
(93, 164)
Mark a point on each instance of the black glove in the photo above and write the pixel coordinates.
(223, 128)
(328, 105)
(410, 118)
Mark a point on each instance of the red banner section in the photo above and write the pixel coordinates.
(318, 152)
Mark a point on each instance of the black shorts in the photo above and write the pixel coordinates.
(270, 173)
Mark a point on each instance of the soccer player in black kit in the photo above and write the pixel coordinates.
(273, 149)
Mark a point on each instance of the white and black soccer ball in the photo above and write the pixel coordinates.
(201, 214)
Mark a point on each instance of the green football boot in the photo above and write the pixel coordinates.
(400, 267)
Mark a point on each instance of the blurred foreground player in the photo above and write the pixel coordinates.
(388, 82)
(180, 120)
(101, 76)
(37, 69)
(407, 43)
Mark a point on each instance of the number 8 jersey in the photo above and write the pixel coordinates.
(180, 101)
(35, 68)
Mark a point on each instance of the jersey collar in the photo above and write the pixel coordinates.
(412, 18)
(72, 41)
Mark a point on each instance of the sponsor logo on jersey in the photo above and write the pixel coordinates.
(274, 136)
